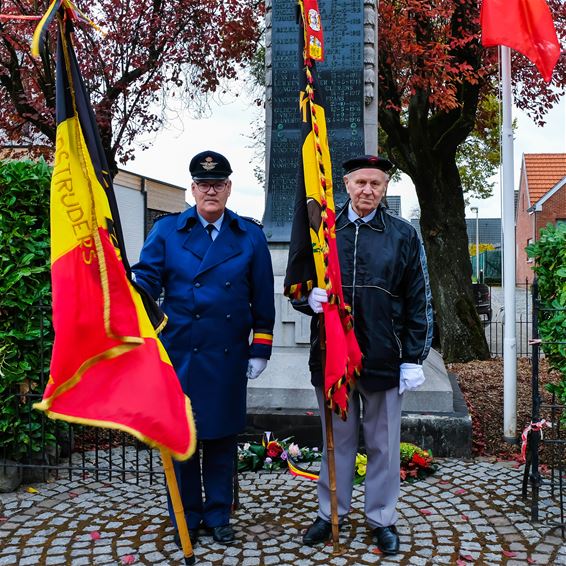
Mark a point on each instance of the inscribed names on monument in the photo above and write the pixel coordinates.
(341, 77)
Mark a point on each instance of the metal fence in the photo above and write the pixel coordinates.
(523, 324)
(83, 452)
(62, 450)
(546, 429)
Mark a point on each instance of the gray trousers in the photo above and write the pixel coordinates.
(382, 433)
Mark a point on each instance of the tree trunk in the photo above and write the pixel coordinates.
(443, 228)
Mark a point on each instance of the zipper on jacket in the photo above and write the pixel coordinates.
(354, 275)
(397, 339)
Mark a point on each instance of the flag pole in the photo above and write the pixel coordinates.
(177, 504)
(508, 217)
(336, 550)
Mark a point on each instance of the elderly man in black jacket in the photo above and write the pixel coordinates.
(385, 280)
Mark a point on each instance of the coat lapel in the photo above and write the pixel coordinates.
(223, 248)
(197, 241)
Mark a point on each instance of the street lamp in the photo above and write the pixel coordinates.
(475, 209)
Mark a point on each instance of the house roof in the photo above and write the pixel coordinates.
(543, 171)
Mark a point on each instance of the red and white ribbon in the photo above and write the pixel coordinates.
(536, 427)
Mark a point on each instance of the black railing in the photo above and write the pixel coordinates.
(38, 446)
(82, 452)
(545, 430)
(494, 328)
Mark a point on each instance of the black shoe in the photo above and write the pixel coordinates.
(387, 539)
(319, 531)
(193, 535)
(223, 534)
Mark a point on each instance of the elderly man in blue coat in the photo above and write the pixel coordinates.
(214, 269)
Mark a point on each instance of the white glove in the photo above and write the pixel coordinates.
(255, 367)
(316, 297)
(412, 376)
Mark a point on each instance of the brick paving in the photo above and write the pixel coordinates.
(468, 512)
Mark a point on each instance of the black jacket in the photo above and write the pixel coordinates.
(384, 261)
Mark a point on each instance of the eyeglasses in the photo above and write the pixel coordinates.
(205, 187)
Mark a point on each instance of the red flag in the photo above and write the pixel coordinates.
(108, 368)
(523, 25)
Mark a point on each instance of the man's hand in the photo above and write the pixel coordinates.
(255, 367)
(316, 297)
(412, 376)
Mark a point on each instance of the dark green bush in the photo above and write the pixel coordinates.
(26, 335)
(549, 253)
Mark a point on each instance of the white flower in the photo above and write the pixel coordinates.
(247, 446)
(294, 450)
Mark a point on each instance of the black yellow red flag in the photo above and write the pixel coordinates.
(313, 255)
(108, 367)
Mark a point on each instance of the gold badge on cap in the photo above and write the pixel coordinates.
(208, 164)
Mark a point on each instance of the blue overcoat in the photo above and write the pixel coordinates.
(215, 295)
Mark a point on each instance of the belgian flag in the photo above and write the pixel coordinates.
(313, 254)
(108, 367)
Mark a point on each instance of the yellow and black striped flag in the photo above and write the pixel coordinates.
(313, 255)
(108, 367)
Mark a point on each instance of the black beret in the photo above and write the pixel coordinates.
(366, 162)
(209, 165)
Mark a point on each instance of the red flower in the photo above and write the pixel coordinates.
(274, 449)
(420, 460)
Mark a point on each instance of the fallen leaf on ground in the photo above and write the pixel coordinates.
(376, 550)
(530, 560)
(2, 519)
(94, 535)
(509, 554)
(444, 482)
(72, 494)
(31, 490)
(425, 511)
(464, 517)
(128, 559)
(460, 491)
(467, 557)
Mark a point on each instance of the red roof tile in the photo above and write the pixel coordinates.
(543, 171)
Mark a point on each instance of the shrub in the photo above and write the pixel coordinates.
(549, 253)
(25, 327)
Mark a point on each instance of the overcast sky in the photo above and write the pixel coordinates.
(228, 126)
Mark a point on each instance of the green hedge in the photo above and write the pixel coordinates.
(24, 288)
(549, 253)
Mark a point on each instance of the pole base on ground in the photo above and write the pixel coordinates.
(338, 550)
(190, 559)
(511, 439)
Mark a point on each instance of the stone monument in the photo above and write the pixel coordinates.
(283, 398)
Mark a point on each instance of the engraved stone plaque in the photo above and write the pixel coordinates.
(341, 78)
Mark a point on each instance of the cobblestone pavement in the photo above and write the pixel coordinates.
(468, 512)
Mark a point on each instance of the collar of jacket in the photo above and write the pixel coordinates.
(189, 218)
(376, 223)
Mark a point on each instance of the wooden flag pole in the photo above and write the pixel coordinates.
(186, 544)
(336, 550)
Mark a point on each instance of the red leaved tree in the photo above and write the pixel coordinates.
(433, 74)
(151, 49)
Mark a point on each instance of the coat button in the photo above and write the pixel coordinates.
(228, 283)
(197, 316)
(228, 316)
(195, 350)
(197, 285)
(225, 350)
